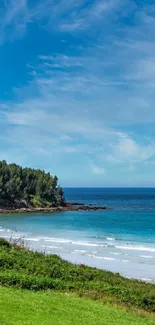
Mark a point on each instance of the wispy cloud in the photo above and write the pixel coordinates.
(42, 129)
(14, 19)
(88, 14)
(60, 16)
(68, 89)
(15, 10)
(92, 99)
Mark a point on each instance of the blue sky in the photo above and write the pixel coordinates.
(77, 89)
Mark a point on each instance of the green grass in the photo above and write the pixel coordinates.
(21, 307)
(25, 269)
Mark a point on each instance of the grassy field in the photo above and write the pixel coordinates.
(21, 307)
(25, 269)
(44, 289)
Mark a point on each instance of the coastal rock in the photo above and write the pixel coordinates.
(68, 207)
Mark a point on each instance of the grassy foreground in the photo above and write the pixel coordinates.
(21, 307)
(25, 269)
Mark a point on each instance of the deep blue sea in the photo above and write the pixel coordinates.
(121, 239)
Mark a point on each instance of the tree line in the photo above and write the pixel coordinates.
(29, 185)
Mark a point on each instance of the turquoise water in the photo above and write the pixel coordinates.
(121, 239)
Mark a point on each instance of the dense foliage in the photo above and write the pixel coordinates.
(27, 185)
(25, 269)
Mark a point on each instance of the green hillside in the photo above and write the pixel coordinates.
(21, 307)
(30, 270)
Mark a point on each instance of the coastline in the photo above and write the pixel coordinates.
(80, 234)
(106, 255)
(119, 240)
(68, 207)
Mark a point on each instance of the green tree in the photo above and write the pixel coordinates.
(13, 188)
(18, 184)
(59, 196)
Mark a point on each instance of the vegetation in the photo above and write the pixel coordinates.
(22, 307)
(22, 268)
(24, 187)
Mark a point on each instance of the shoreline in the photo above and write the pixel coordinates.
(68, 207)
(107, 265)
(86, 261)
(82, 252)
(70, 236)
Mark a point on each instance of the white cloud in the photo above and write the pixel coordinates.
(88, 99)
(76, 106)
(127, 147)
(61, 16)
(61, 61)
(130, 168)
(128, 150)
(62, 131)
(14, 19)
(15, 10)
(97, 170)
(88, 15)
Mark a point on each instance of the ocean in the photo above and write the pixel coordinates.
(121, 239)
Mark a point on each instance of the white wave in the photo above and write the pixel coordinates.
(1, 229)
(57, 247)
(58, 240)
(84, 244)
(125, 261)
(146, 279)
(15, 237)
(137, 248)
(110, 238)
(103, 257)
(79, 251)
(146, 256)
(98, 257)
(32, 239)
(110, 259)
(70, 241)
(67, 241)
